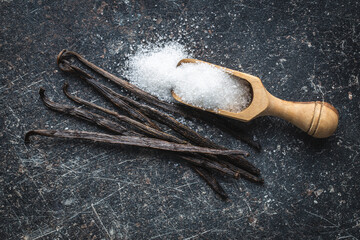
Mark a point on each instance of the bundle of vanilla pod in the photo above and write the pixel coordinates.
(146, 122)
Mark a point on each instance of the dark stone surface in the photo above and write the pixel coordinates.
(302, 50)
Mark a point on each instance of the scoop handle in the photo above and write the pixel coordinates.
(318, 119)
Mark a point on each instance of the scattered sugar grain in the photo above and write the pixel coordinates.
(154, 70)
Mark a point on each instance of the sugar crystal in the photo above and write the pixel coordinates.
(154, 70)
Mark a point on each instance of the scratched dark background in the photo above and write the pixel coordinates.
(56, 189)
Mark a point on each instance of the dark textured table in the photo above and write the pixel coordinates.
(56, 189)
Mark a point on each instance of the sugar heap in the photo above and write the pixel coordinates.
(154, 70)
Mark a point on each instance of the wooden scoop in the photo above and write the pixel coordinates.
(318, 119)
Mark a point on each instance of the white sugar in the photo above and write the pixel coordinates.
(154, 70)
(211, 88)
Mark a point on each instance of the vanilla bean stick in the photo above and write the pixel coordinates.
(105, 138)
(131, 141)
